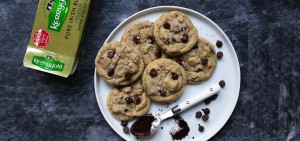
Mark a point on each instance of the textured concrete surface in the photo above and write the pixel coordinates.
(265, 34)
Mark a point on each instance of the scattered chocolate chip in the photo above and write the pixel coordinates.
(220, 54)
(126, 110)
(179, 61)
(162, 92)
(126, 130)
(198, 114)
(174, 76)
(153, 73)
(151, 39)
(136, 39)
(128, 100)
(111, 72)
(208, 100)
(214, 97)
(137, 99)
(111, 54)
(206, 111)
(205, 117)
(185, 38)
(167, 26)
(204, 61)
(200, 128)
(158, 53)
(219, 43)
(128, 75)
(222, 83)
(124, 123)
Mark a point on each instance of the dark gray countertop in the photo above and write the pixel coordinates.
(265, 34)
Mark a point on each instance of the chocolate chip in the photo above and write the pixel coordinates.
(111, 72)
(126, 110)
(214, 97)
(206, 111)
(153, 73)
(173, 39)
(204, 61)
(158, 53)
(198, 70)
(208, 100)
(196, 46)
(219, 44)
(137, 99)
(136, 39)
(220, 54)
(174, 76)
(151, 39)
(126, 130)
(162, 92)
(128, 100)
(128, 75)
(166, 25)
(222, 83)
(185, 38)
(200, 128)
(198, 114)
(205, 117)
(111, 54)
(124, 123)
(179, 61)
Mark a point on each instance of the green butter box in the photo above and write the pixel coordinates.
(56, 35)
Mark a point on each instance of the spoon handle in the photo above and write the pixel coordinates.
(208, 92)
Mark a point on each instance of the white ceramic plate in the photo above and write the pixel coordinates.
(227, 69)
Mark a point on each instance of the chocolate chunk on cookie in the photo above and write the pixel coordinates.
(200, 62)
(175, 33)
(140, 35)
(118, 64)
(164, 80)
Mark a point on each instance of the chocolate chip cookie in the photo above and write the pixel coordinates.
(175, 33)
(200, 62)
(140, 35)
(118, 64)
(125, 103)
(164, 80)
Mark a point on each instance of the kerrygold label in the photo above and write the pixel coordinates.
(58, 14)
(47, 64)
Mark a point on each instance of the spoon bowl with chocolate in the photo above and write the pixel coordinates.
(148, 125)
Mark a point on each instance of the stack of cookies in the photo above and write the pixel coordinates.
(153, 62)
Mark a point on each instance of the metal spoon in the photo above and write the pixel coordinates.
(181, 107)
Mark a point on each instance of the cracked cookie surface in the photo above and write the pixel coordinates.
(175, 33)
(125, 103)
(200, 62)
(164, 80)
(118, 64)
(140, 35)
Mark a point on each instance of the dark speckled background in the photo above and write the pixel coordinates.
(265, 34)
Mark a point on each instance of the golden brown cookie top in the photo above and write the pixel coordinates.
(119, 64)
(175, 33)
(164, 80)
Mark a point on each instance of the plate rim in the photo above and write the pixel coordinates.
(223, 121)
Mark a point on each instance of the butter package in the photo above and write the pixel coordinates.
(56, 35)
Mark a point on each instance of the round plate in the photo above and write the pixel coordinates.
(227, 69)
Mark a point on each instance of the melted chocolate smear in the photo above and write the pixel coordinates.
(142, 126)
(183, 129)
